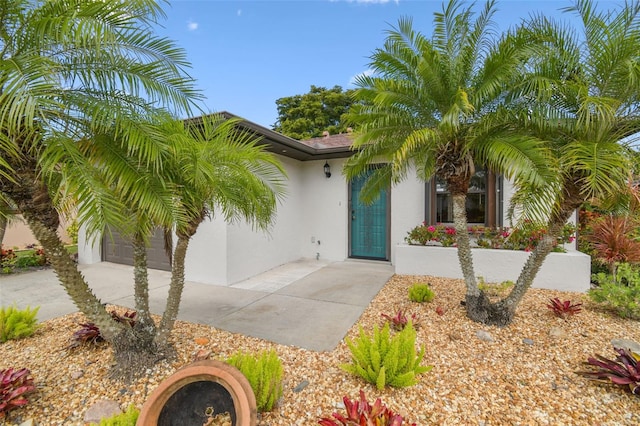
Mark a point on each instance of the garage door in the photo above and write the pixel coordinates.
(119, 250)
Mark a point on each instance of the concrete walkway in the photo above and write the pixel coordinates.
(307, 303)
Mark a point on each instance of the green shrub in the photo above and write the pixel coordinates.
(264, 373)
(28, 260)
(128, 418)
(420, 292)
(16, 323)
(384, 360)
(619, 294)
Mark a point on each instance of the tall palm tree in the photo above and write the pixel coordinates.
(583, 94)
(75, 76)
(430, 104)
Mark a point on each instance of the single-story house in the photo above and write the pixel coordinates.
(320, 218)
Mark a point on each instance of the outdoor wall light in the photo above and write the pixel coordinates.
(327, 170)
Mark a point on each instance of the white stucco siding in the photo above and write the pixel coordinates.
(250, 251)
(206, 260)
(324, 212)
(407, 208)
(89, 249)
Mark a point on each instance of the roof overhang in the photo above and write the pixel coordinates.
(286, 146)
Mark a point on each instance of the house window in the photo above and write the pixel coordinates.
(481, 201)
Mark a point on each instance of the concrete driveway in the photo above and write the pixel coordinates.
(307, 303)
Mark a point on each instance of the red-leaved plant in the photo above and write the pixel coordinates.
(400, 319)
(613, 241)
(90, 333)
(565, 308)
(361, 413)
(624, 370)
(14, 385)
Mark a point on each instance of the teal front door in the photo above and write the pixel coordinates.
(369, 224)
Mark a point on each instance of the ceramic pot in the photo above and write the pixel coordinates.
(193, 392)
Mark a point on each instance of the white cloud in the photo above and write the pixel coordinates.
(366, 73)
(192, 26)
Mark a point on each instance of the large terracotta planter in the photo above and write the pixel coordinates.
(184, 397)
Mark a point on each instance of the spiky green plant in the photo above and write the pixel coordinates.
(264, 372)
(16, 323)
(421, 293)
(384, 360)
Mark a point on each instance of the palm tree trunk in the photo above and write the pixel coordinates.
(175, 290)
(465, 256)
(144, 323)
(537, 257)
(72, 280)
(3, 227)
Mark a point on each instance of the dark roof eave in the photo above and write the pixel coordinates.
(289, 147)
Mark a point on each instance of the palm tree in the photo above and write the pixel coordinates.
(583, 92)
(221, 172)
(75, 77)
(211, 167)
(430, 105)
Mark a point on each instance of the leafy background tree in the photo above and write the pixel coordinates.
(308, 116)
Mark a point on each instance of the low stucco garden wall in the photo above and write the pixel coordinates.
(570, 271)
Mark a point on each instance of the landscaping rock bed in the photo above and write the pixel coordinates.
(518, 375)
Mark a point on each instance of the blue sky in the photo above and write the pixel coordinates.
(246, 54)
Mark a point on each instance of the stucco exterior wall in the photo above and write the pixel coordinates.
(250, 252)
(206, 260)
(323, 218)
(407, 209)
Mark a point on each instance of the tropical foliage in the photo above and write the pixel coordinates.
(433, 104)
(17, 323)
(14, 385)
(264, 372)
(385, 360)
(619, 294)
(362, 413)
(545, 105)
(89, 105)
(623, 371)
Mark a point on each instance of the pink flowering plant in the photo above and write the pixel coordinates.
(423, 235)
(524, 238)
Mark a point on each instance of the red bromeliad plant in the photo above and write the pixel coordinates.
(14, 384)
(624, 370)
(128, 317)
(400, 319)
(613, 241)
(89, 332)
(565, 308)
(361, 413)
